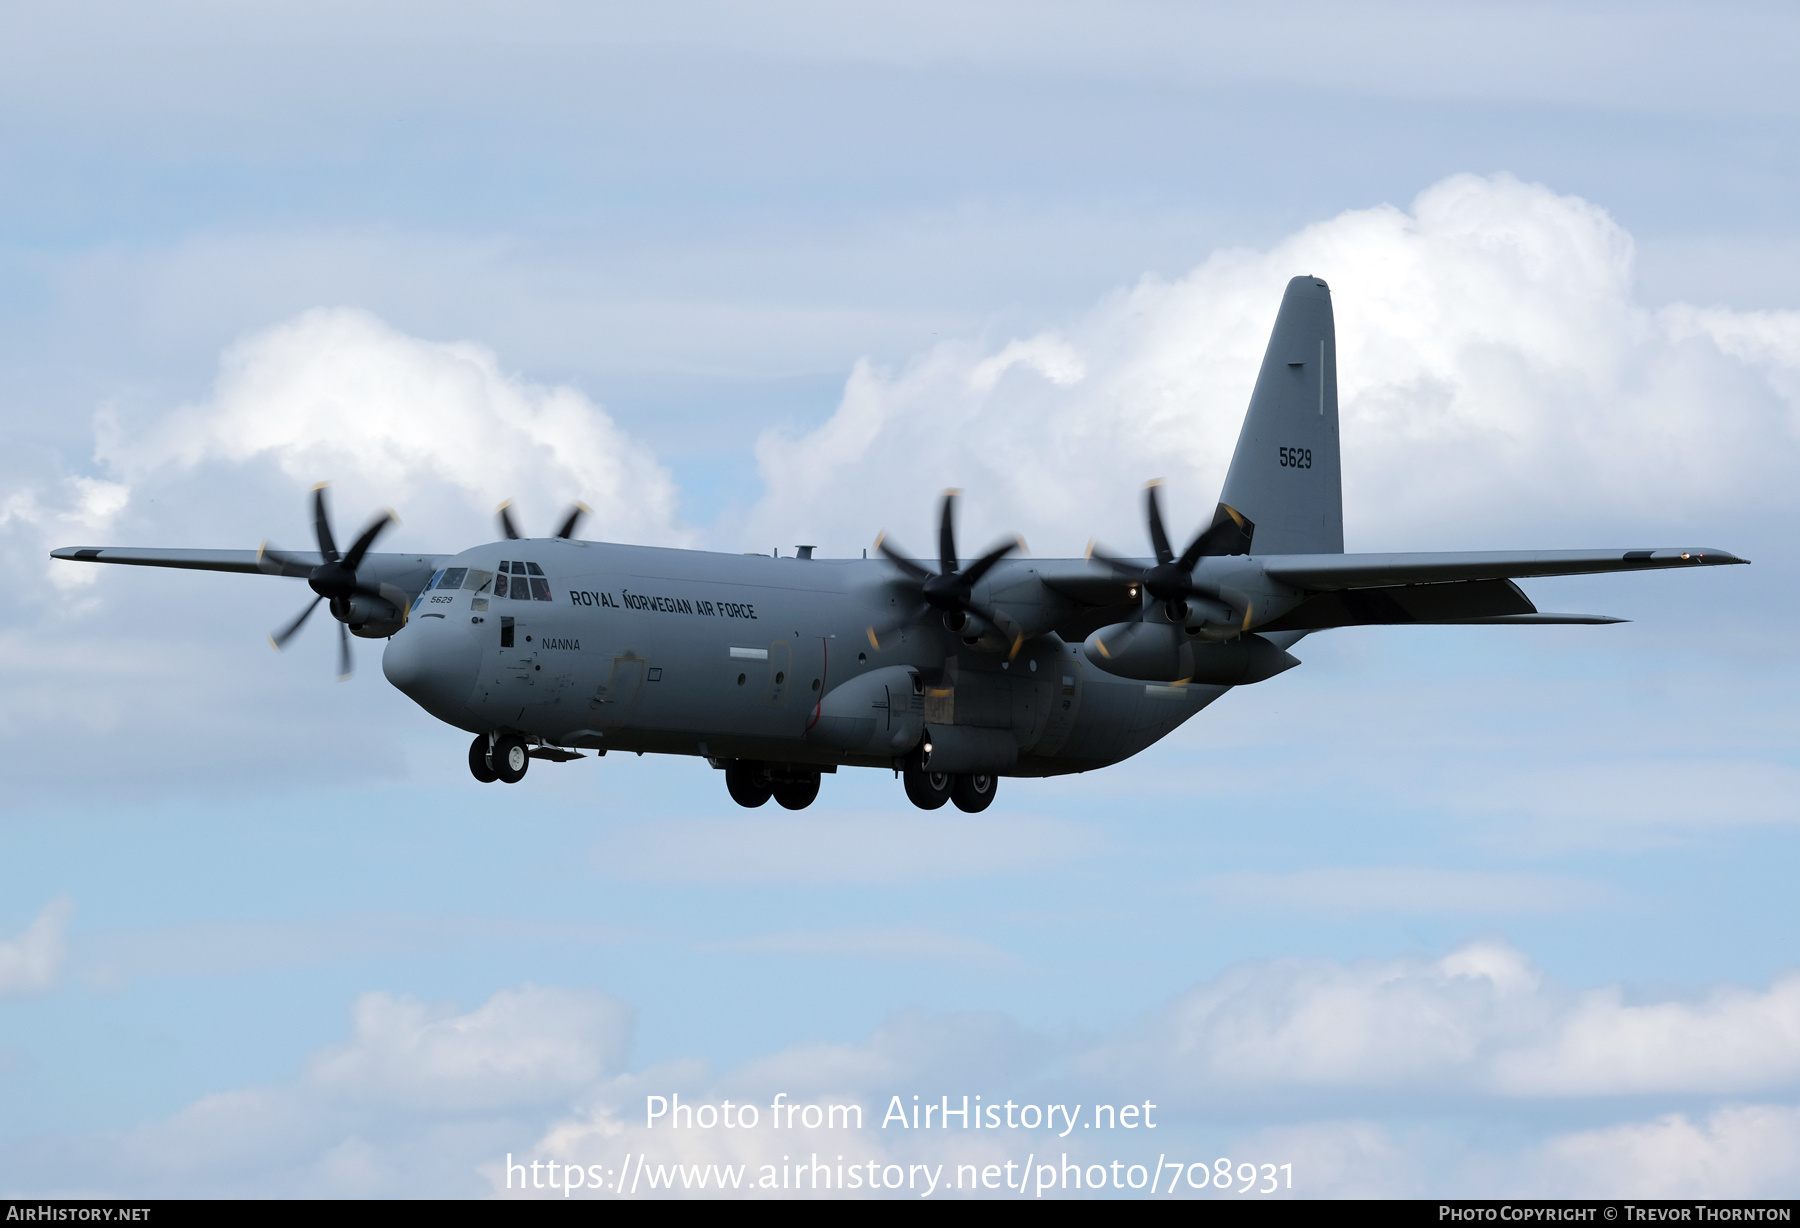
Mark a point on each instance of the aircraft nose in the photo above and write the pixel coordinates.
(434, 662)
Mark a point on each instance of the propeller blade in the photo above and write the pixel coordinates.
(1119, 567)
(947, 535)
(367, 539)
(322, 525)
(283, 564)
(900, 560)
(344, 669)
(1159, 539)
(575, 514)
(875, 637)
(506, 521)
(982, 565)
(281, 637)
(1224, 536)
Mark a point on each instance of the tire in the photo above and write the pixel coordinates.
(748, 784)
(796, 795)
(974, 794)
(478, 761)
(510, 759)
(928, 790)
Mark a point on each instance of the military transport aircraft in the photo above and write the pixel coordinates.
(778, 669)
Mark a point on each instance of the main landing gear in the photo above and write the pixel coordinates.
(752, 784)
(505, 761)
(930, 790)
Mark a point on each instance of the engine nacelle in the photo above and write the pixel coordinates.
(881, 712)
(373, 618)
(1162, 652)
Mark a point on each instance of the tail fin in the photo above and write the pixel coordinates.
(1285, 477)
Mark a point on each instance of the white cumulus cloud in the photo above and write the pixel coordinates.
(1497, 370)
(437, 429)
(30, 962)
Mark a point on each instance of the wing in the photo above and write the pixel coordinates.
(404, 571)
(1328, 572)
(248, 561)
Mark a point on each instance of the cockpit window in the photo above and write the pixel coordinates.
(478, 580)
(521, 581)
(451, 577)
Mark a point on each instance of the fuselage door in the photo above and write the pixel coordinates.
(613, 703)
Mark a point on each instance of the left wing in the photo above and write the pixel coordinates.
(1328, 572)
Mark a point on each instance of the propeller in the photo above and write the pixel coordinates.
(1171, 581)
(334, 580)
(566, 529)
(950, 589)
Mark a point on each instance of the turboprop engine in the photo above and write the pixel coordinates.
(1164, 652)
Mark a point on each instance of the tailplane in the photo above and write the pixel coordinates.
(1285, 478)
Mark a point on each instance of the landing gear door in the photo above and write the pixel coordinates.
(613, 703)
(1065, 705)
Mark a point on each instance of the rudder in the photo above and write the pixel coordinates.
(1285, 477)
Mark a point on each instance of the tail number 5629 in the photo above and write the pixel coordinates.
(1296, 458)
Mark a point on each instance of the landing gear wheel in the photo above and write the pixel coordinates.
(797, 795)
(928, 790)
(973, 793)
(748, 784)
(510, 759)
(478, 761)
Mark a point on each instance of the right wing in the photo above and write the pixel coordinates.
(407, 572)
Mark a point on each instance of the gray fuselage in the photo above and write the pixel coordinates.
(733, 657)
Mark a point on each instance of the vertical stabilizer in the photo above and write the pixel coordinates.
(1285, 477)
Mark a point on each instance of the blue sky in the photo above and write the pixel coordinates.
(1444, 911)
